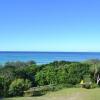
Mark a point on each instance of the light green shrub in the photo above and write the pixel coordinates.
(18, 87)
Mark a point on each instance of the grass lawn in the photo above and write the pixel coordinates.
(66, 94)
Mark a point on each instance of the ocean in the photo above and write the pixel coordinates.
(47, 57)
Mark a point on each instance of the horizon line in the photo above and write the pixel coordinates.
(50, 51)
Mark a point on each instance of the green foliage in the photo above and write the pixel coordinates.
(20, 76)
(50, 75)
(94, 85)
(67, 74)
(18, 87)
(12, 70)
(87, 86)
(61, 86)
(7, 73)
(26, 73)
(19, 64)
(57, 64)
(87, 82)
(62, 75)
(40, 78)
(1, 86)
(95, 70)
(92, 61)
(76, 71)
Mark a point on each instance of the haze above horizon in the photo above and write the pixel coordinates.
(50, 25)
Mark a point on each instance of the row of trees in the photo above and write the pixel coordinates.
(17, 77)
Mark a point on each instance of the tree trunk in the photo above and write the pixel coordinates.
(98, 79)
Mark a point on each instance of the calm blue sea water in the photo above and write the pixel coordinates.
(46, 57)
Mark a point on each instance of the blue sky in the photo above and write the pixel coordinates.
(50, 25)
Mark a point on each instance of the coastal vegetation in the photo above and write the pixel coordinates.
(29, 79)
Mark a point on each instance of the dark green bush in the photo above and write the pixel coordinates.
(1, 86)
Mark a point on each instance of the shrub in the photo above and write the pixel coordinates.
(87, 85)
(26, 73)
(1, 86)
(61, 86)
(33, 92)
(37, 91)
(87, 81)
(94, 85)
(18, 87)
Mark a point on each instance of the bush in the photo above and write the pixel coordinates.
(94, 85)
(37, 91)
(47, 88)
(61, 86)
(1, 86)
(18, 87)
(32, 92)
(87, 85)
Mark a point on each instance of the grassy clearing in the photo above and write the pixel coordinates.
(66, 94)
